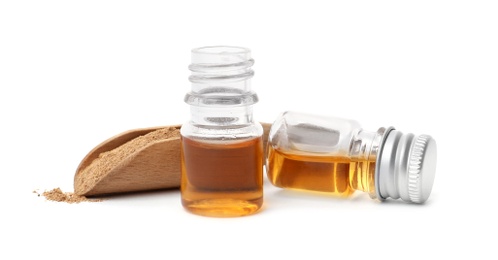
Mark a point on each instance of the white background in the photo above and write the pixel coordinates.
(74, 73)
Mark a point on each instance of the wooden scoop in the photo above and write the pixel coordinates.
(135, 160)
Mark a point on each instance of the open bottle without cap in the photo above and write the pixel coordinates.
(336, 156)
(222, 149)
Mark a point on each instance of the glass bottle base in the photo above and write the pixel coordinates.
(223, 207)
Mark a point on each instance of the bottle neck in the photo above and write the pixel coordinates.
(237, 81)
(221, 116)
(221, 92)
(365, 148)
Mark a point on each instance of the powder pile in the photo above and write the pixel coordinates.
(58, 195)
(107, 161)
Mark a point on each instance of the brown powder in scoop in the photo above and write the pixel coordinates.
(107, 161)
(58, 195)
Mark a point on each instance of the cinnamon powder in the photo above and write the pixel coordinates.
(58, 195)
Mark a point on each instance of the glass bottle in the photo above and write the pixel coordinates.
(222, 150)
(333, 155)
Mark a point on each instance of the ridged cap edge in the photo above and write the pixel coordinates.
(415, 168)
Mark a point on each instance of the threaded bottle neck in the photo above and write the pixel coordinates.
(364, 151)
(221, 92)
(221, 76)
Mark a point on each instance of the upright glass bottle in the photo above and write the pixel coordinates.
(337, 156)
(222, 150)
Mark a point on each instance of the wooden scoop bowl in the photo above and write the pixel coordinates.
(155, 165)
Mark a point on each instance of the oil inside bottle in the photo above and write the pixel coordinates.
(334, 174)
(222, 178)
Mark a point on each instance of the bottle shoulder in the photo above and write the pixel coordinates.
(236, 132)
(301, 133)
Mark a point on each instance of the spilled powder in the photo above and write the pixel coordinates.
(101, 166)
(58, 195)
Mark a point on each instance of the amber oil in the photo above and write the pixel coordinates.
(222, 178)
(336, 175)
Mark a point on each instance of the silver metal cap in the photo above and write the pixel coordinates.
(406, 167)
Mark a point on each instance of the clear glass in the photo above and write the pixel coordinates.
(222, 150)
(324, 154)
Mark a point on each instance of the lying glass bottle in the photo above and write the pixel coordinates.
(337, 156)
